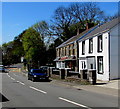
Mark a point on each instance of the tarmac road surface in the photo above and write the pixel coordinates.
(21, 92)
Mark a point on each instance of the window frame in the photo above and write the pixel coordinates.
(100, 43)
(98, 65)
(91, 45)
(83, 48)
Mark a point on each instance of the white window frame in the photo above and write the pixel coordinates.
(100, 43)
(100, 65)
(91, 45)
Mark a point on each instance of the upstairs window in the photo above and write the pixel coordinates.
(100, 43)
(69, 51)
(65, 51)
(73, 49)
(91, 45)
(57, 52)
(83, 47)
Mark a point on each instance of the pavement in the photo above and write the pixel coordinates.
(114, 84)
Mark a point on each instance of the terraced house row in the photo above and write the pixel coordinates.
(92, 52)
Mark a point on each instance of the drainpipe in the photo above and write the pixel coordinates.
(77, 55)
(109, 52)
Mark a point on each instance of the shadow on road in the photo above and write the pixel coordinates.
(3, 98)
(100, 83)
(43, 80)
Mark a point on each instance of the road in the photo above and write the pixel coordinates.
(20, 92)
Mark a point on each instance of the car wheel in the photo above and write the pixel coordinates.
(47, 78)
(28, 77)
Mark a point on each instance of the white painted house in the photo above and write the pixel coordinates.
(98, 51)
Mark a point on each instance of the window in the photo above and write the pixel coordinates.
(73, 49)
(68, 50)
(100, 43)
(83, 47)
(100, 64)
(90, 45)
(83, 64)
(57, 52)
(62, 51)
(65, 51)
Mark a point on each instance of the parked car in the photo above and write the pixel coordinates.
(3, 69)
(37, 74)
(44, 68)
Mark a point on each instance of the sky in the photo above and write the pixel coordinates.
(18, 16)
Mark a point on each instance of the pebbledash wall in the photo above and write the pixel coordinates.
(109, 54)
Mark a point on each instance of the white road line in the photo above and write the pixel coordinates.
(38, 90)
(15, 74)
(74, 103)
(12, 78)
(20, 82)
(8, 75)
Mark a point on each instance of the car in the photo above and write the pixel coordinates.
(2, 69)
(37, 74)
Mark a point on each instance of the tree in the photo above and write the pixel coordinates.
(66, 21)
(34, 48)
(51, 54)
(7, 57)
(43, 29)
(61, 23)
(18, 49)
(89, 12)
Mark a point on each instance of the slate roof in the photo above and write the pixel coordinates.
(74, 38)
(91, 32)
(102, 28)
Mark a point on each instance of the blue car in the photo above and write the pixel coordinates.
(37, 74)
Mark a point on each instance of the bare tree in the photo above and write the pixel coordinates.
(78, 14)
(62, 20)
(43, 29)
(86, 12)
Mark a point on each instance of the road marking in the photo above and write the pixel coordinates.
(12, 78)
(74, 103)
(8, 75)
(20, 82)
(15, 74)
(38, 90)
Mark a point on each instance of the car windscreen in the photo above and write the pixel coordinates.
(38, 71)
